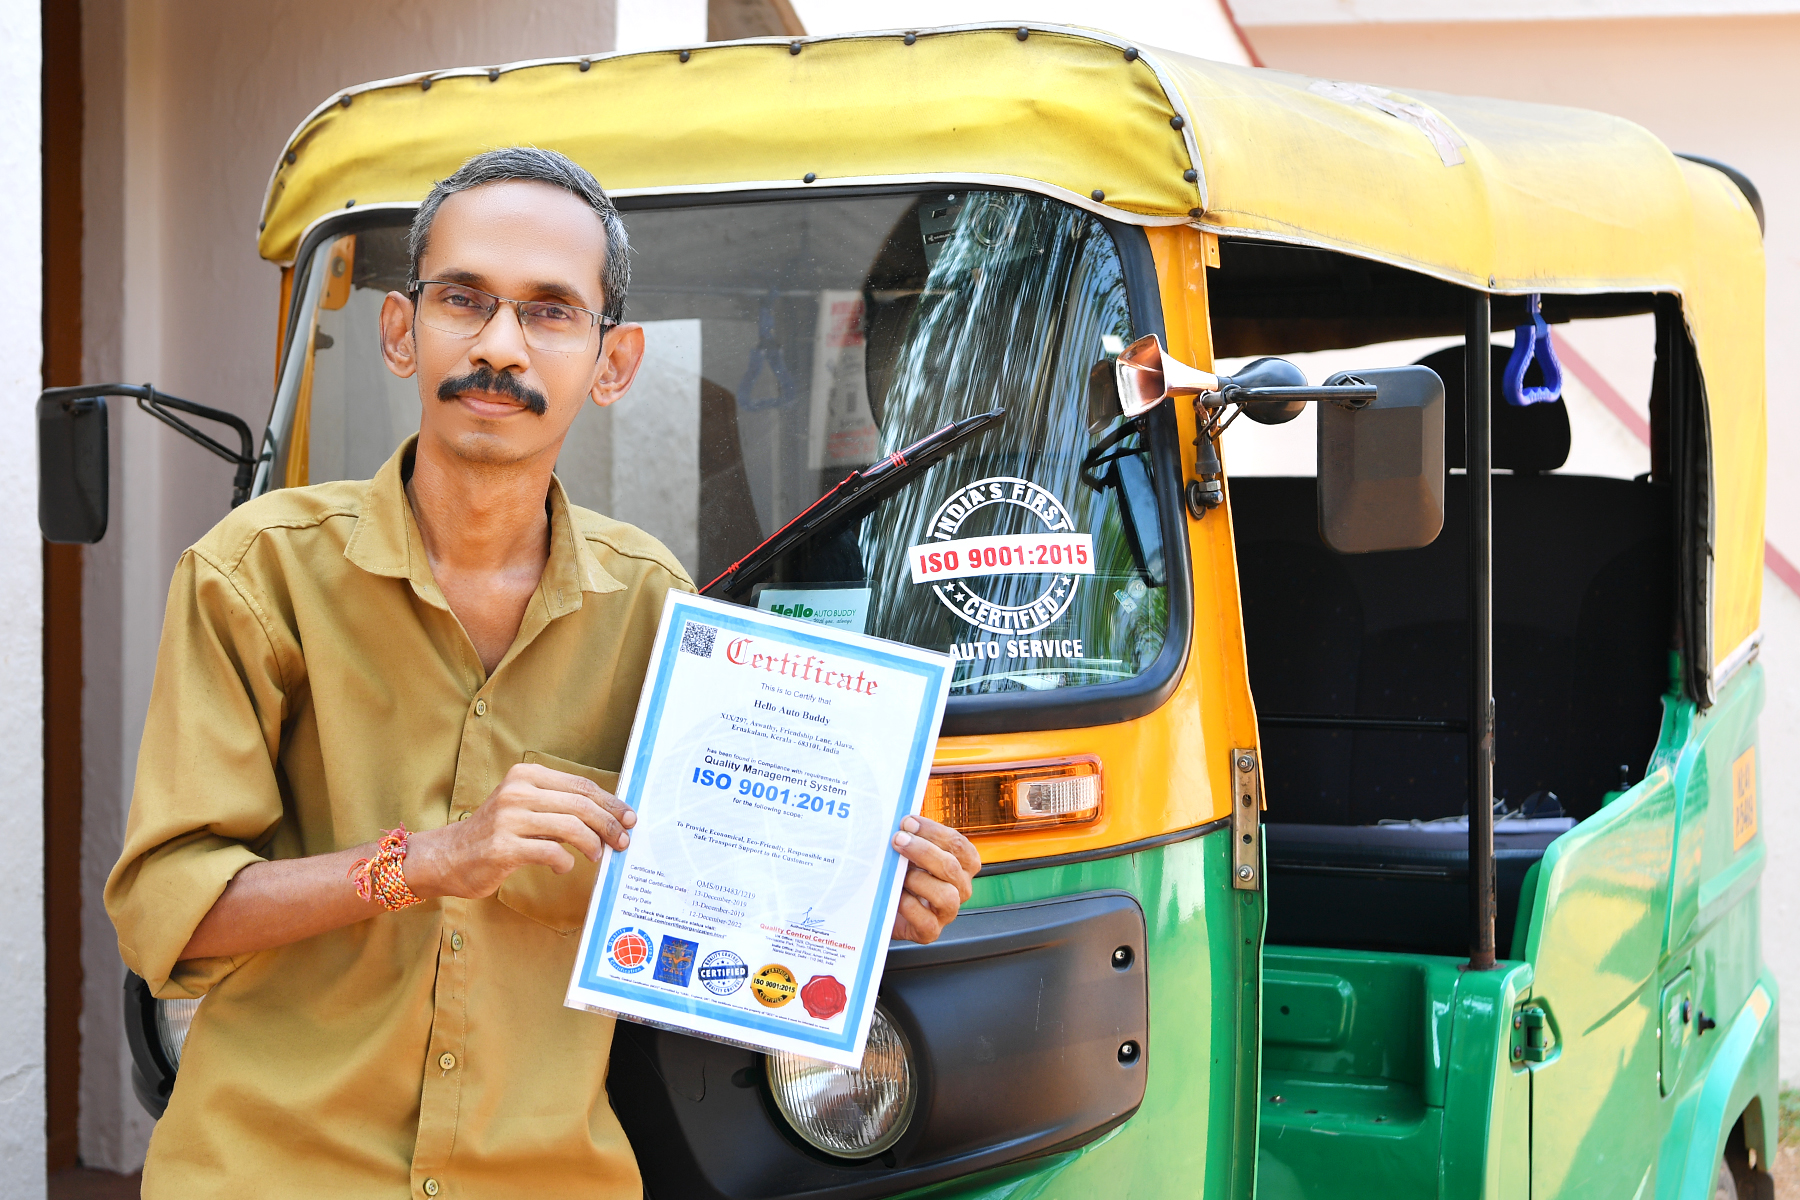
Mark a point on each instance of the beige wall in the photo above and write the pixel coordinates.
(1726, 87)
(188, 101)
(21, 630)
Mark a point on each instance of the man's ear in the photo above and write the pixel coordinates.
(397, 345)
(621, 353)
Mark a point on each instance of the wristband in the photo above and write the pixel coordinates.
(383, 877)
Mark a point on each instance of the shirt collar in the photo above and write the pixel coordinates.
(386, 541)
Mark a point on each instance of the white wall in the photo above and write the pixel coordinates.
(21, 633)
(1197, 27)
(1716, 84)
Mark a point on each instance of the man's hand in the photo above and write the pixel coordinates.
(525, 822)
(940, 878)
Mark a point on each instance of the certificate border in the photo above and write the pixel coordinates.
(590, 986)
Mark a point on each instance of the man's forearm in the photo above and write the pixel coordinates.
(270, 904)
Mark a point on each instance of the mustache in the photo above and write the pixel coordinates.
(499, 383)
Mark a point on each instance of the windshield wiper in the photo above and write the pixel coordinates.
(853, 499)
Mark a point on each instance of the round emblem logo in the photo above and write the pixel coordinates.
(823, 996)
(628, 949)
(723, 972)
(773, 986)
(996, 602)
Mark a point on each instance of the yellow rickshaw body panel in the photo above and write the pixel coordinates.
(1541, 200)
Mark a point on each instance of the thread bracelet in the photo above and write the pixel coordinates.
(383, 877)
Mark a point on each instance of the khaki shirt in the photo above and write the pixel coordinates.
(312, 690)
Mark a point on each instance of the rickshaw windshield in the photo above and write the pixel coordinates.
(790, 342)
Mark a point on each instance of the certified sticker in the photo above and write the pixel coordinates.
(774, 986)
(628, 949)
(723, 972)
(973, 576)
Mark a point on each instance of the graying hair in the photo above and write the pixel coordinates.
(539, 166)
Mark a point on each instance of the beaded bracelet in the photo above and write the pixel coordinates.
(383, 877)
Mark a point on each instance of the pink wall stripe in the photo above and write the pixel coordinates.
(1618, 406)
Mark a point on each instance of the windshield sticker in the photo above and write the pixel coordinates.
(1016, 648)
(840, 608)
(963, 571)
(842, 433)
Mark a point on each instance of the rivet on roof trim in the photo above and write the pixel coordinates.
(493, 74)
(290, 158)
(1131, 53)
(909, 39)
(424, 85)
(808, 177)
(1022, 33)
(793, 47)
(585, 64)
(685, 55)
(344, 101)
(1097, 194)
(1175, 122)
(350, 203)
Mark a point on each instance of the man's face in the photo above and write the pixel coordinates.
(491, 397)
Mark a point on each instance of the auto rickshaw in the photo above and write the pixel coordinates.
(1391, 828)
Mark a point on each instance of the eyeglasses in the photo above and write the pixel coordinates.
(463, 311)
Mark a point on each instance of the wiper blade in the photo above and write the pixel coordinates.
(853, 499)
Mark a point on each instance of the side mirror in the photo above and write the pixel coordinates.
(1381, 465)
(73, 466)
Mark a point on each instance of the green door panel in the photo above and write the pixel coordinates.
(1596, 948)
(1389, 1075)
(1195, 1133)
(1713, 872)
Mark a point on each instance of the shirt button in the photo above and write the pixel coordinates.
(481, 708)
(456, 941)
(447, 1061)
(462, 816)
(431, 1187)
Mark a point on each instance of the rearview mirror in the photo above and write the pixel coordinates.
(1381, 466)
(73, 465)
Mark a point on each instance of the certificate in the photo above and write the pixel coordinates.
(770, 765)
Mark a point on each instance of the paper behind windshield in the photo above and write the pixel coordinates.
(770, 764)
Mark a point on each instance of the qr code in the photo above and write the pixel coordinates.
(698, 639)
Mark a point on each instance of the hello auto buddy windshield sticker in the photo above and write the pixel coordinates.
(974, 576)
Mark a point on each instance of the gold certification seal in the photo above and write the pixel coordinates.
(774, 986)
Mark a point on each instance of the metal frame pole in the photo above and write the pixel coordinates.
(1478, 459)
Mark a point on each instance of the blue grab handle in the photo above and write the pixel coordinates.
(1532, 341)
(767, 353)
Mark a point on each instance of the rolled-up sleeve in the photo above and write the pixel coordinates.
(207, 793)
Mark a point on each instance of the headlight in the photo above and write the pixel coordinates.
(172, 1020)
(849, 1112)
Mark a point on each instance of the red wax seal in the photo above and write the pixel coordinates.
(823, 996)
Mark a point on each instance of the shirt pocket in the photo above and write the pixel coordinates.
(557, 901)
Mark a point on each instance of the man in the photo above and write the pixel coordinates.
(451, 652)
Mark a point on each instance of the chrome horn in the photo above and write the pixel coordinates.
(1147, 375)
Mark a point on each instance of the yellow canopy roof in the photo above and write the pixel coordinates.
(1485, 193)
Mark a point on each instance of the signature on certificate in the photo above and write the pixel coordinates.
(811, 923)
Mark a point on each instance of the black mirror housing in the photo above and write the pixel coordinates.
(73, 467)
(1381, 465)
